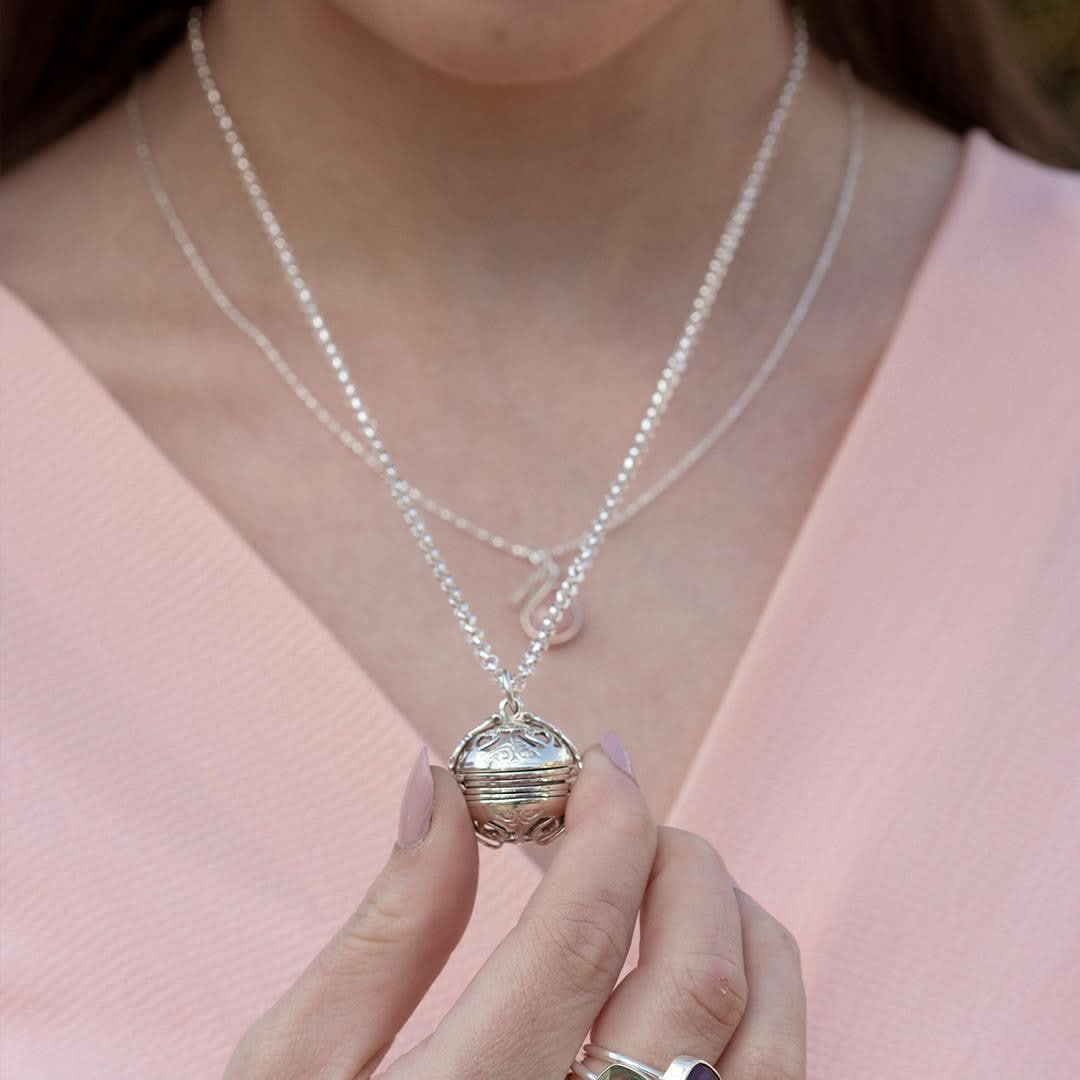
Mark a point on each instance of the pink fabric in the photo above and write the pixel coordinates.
(188, 811)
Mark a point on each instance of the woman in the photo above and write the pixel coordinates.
(842, 647)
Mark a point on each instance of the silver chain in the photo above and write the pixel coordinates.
(534, 554)
(404, 494)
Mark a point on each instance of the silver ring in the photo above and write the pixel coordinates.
(681, 1068)
(612, 1072)
(582, 1071)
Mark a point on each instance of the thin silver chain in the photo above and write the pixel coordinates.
(668, 382)
(531, 553)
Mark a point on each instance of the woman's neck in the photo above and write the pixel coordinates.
(356, 140)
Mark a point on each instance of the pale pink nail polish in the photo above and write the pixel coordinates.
(616, 750)
(415, 818)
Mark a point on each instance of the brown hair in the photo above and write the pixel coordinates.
(961, 62)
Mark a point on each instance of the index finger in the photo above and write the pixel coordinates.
(552, 974)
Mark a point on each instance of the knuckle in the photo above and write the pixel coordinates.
(382, 924)
(629, 825)
(790, 945)
(680, 852)
(785, 942)
(690, 846)
(590, 938)
(774, 936)
(710, 993)
(265, 1051)
(381, 920)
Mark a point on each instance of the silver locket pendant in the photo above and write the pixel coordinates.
(516, 772)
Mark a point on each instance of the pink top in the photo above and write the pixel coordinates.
(894, 770)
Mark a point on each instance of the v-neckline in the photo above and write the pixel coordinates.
(109, 413)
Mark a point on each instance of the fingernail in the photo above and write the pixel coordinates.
(415, 817)
(616, 750)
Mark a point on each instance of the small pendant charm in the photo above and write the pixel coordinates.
(516, 772)
(535, 597)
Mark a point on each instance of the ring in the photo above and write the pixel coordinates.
(622, 1067)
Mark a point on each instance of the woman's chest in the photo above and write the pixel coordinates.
(666, 612)
(191, 754)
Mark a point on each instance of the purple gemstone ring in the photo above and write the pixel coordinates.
(622, 1067)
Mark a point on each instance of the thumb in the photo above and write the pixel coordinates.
(346, 1007)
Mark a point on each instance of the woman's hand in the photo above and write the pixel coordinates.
(718, 977)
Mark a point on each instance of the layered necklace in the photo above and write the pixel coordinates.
(515, 769)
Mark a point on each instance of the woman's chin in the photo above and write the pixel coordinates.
(509, 41)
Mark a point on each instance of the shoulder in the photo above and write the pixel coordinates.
(65, 215)
(1002, 275)
(1019, 183)
(1018, 217)
(988, 344)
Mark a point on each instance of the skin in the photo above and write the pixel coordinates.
(503, 319)
(704, 943)
(505, 208)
